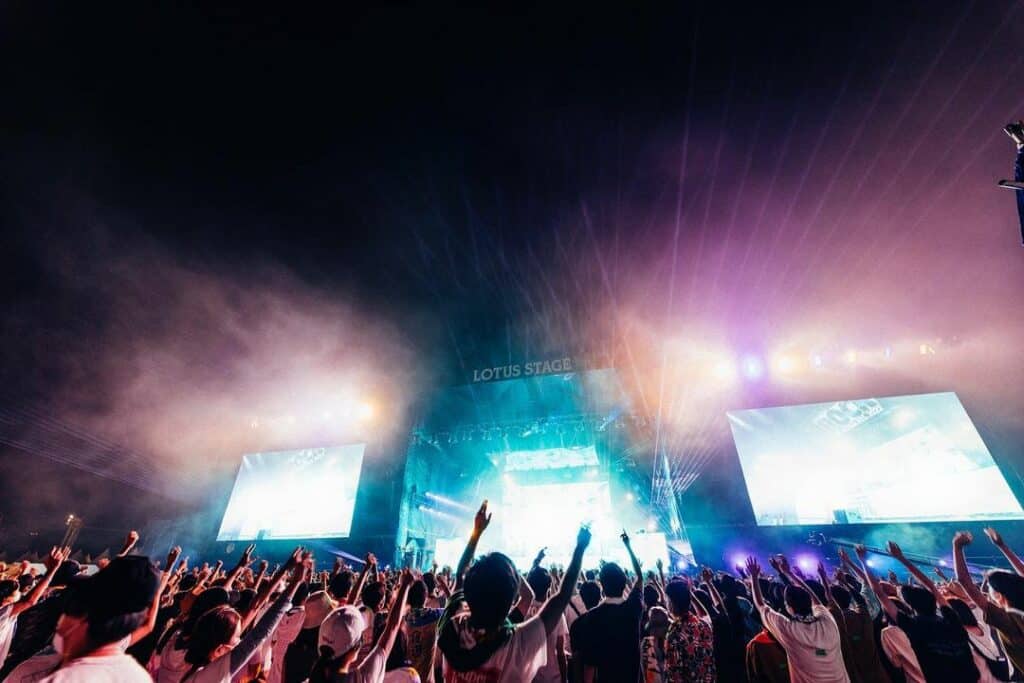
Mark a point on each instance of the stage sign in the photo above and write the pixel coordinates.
(556, 366)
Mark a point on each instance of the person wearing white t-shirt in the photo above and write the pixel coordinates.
(99, 613)
(341, 635)
(287, 631)
(808, 634)
(554, 671)
(477, 641)
(897, 648)
(12, 604)
(217, 650)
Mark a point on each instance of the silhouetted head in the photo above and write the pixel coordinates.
(373, 595)
(613, 580)
(679, 597)
(590, 593)
(967, 617)
(540, 581)
(920, 600)
(417, 594)
(10, 591)
(1006, 589)
(490, 586)
(651, 596)
(841, 596)
(216, 633)
(798, 601)
(340, 585)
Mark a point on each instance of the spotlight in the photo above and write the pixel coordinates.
(871, 562)
(806, 562)
(365, 411)
(851, 357)
(818, 361)
(785, 364)
(753, 368)
(724, 370)
(681, 564)
(630, 497)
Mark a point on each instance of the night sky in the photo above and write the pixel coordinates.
(214, 214)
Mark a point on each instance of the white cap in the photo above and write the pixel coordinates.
(342, 630)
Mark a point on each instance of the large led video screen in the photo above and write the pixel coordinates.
(876, 460)
(307, 493)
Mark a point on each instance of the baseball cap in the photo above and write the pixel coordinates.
(342, 630)
(124, 586)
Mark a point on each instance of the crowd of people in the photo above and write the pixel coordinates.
(486, 621)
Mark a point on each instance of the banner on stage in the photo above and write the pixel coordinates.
(555, 366)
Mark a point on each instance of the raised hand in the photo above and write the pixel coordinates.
(625, 538)
(294, 560)
(56, 558)
(994, 536)
(861, 551)
(893, 579)
(482, 519)
(962, 539)
(659, 564)
(407, 578)
(753, 568)
(540, 556)
(706, 575)
(783, 564)
(583, 537)
(246, 557)
(822, 573)
(895, 550)
(172, 556)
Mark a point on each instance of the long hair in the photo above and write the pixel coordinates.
(212, 630)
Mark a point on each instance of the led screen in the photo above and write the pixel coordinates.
(877, 460)
(307, 493)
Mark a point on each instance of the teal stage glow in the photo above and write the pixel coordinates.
(877, 460)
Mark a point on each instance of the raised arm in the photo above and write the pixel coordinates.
(823, 577)
(154, 607)
(783, 566)
(357, 587)
(268, 588)
(53, 562)
(480, 522)
(1011, 557)
(888, 606)
(129, 542)
(394, 622)
(526, 597)
(638, 585)
(754, 571)
(553, 609)
(708, 577)
(918, 575)
(961, 540)
(243, 563)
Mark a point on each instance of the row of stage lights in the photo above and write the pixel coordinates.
(753, 367)
(576, 426)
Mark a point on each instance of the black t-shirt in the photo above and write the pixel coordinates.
(942, 646)
(608, 639)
